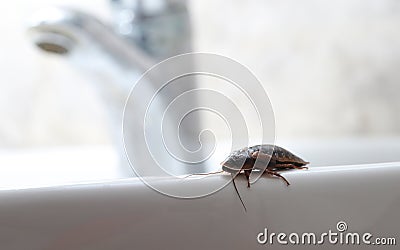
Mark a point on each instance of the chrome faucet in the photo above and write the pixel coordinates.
(144, 33)
(159, 27)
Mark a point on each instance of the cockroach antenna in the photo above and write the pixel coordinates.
(217, 172)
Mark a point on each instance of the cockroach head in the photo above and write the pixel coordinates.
(236, 160)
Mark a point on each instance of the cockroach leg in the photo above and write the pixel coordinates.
(278, 175)
(234, 184)
(298, 167)
(289, 165)
(247, 174)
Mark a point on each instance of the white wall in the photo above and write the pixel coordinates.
(331, 68)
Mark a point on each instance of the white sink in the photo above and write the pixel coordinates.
(126, 214)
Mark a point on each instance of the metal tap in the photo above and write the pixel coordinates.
(142, 34)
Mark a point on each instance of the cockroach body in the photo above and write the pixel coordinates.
(256, 157)
(276, 158)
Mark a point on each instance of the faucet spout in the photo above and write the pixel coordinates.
(82, 37)
(118, 60)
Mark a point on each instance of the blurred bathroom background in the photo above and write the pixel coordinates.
(331, 69)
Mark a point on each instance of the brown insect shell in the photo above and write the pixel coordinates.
(248, 164)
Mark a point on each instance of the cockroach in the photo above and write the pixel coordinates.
(256, 157)
(276, 158)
